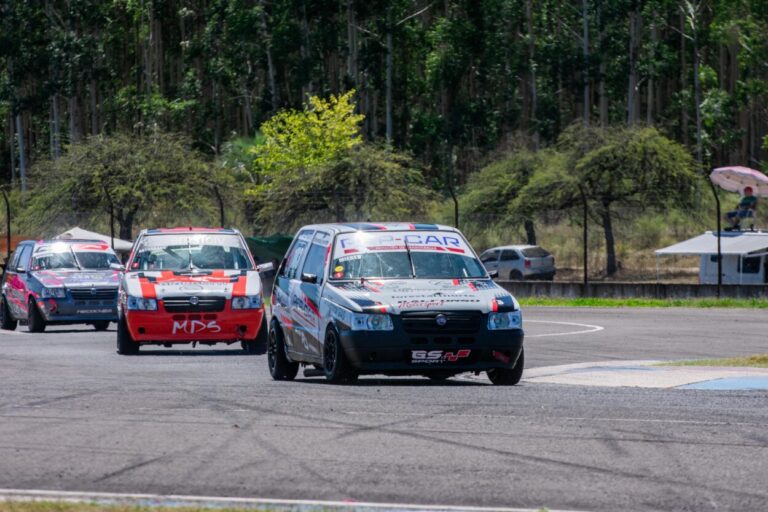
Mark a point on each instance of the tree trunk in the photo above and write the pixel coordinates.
(351, 43)
(585, 54)
(56, 126)
(270, 63)
(530, 232)
(532, 71)
(389, 86)
(634, 44)
(125, 221)
(610, 243)
(12, 145)
(603, 70)
(22, 152)
(683, 81)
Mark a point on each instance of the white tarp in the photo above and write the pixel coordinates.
(739, 242)
(83, 234)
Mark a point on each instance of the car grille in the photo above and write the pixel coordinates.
(91, 294)
(183, 304)
(458, 322)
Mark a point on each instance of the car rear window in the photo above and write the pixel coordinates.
(535, 252)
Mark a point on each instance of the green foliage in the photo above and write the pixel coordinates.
(146, 178)
(297, 141)
(367, 183)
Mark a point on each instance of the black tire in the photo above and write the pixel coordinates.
(35, 320)
(126, 345)
(335, 363)
(280, 367)
(515, 275)
(258, 345)
(101, 325)
(508, 376)
(7, 322)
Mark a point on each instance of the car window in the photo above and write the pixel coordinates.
(535, 252)
(509, 255)
(489, 256)
(315, 261)
(23, 257)
(96, 260)
(53, 261)
(296, 254)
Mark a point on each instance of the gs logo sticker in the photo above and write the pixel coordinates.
(438, 356)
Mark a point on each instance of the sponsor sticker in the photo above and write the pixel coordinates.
(438, 356)
(195, 327)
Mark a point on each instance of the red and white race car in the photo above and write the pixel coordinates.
(191, 285)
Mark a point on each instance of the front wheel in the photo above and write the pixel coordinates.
(7, 321)
(126, 345)
(259, 344)
(35, 320)
(335, 363)
(508, 376)
(279, 366)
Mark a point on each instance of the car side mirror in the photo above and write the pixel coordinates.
(21, 270)
(117, 266)
(265, 267)
(309, 278)
(493, 274)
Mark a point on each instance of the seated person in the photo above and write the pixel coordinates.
(211, 257)
(744, 209)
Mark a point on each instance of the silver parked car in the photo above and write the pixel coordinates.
(517, 262)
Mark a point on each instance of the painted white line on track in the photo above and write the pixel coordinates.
(222, 502)
(589, 328)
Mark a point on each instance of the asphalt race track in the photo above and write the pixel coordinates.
(76, 416)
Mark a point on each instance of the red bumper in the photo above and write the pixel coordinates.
(224, 326)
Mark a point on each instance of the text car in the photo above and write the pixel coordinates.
(393, 299)
(60, 282)
(191, 285)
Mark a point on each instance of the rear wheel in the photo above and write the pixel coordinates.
(35, 320)
(7, 322)
(101, 325)
(508, 376)
(126, 345)
(335, 363)
(259, 344)
(515, 275)
(279, 366)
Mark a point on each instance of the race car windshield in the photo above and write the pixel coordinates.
(189, 252)
(96, 260)
(54, 261)
(403, 255)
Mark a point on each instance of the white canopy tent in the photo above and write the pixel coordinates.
(79, 233)
(735, 244)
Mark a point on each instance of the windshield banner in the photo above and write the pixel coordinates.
(441, 241)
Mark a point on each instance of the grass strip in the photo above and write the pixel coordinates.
(644, 303)
(756, 361)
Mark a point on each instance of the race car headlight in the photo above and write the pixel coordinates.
(247, 302)
(140, 304)
(56, 293)
(508, 320)
(373, 322)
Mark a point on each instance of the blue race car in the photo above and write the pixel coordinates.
(60, 282)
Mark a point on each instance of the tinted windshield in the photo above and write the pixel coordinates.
(393, 254)
(184, 252)
(96, 260)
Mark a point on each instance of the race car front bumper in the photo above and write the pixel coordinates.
(164, 327)
(67, 311)
(398, 352)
